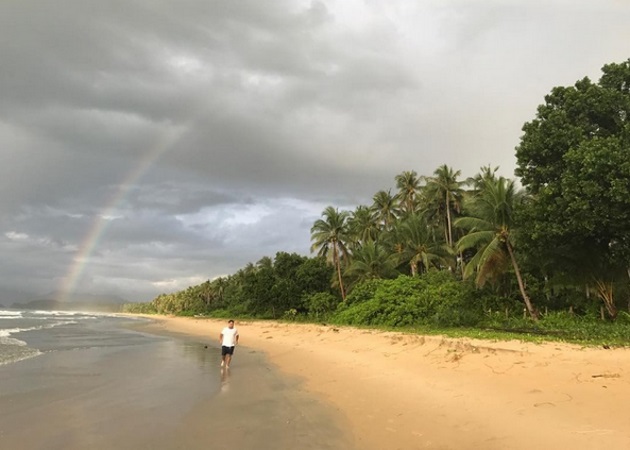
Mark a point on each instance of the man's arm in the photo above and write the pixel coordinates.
(236, 338)
(221, 337)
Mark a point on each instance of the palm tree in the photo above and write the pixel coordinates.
(371, 261)
(329, 236)
(490, 227)
(363, 225)
(408, 185)
(264, 263)
(249, 269)
(444, 192)
(220, 284)
(485, 173)
(206, 293)
(385, 207)
(417, 247)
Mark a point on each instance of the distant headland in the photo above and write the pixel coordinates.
(74, 302)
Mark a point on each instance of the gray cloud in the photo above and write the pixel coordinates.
(197, 136)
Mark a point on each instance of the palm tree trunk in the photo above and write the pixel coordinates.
(448, 221)
(528, 303)
(338, 264)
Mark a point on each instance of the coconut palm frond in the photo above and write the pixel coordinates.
(495, 260)
(473, 223)
(475, 239)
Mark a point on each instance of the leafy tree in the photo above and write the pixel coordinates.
(329, 236)
(490, 226)
(574, 160)
(286, 291)
(286, 265)
(258, 286)
(314, 275)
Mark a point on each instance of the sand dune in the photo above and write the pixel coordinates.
(401, 391)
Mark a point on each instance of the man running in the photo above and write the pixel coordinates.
(228, 339)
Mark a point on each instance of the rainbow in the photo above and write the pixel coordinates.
(91, 240)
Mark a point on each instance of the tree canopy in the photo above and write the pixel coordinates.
(574, 160)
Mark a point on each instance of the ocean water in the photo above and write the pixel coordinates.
(78, 380)
(29, 334)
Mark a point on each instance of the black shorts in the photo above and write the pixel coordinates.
(227, 350)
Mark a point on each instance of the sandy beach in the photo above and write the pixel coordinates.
(402, 391)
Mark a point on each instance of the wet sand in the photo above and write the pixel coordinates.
(167, 394)
(400, 391)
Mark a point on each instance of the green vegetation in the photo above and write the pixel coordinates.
(475, 257)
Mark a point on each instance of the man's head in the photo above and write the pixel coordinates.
(230, 323)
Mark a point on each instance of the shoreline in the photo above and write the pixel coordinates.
(406, 391)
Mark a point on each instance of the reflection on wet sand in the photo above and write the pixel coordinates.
(225, 379)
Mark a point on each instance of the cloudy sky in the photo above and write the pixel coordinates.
(148, 145)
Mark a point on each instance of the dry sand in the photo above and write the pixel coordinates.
(402, 391)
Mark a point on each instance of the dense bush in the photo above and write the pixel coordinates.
(435, 298)
(363, 291)
(321, 304)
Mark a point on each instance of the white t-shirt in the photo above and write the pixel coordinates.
(229, 337)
